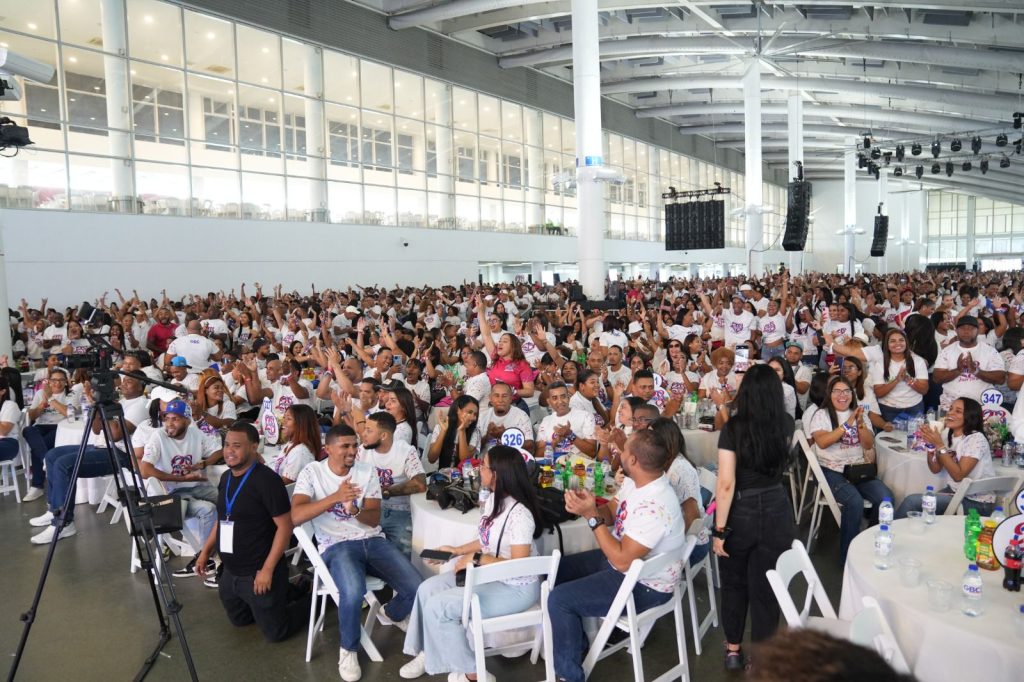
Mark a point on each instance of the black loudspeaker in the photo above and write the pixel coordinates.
(558, 280)
(576, 293)
(529, 278)
(674, 227)
(798, 210)
(881, 237)
(480, 279)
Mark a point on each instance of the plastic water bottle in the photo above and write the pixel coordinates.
(971, 599)
(467, 472)
(928, 503)
(930, 417)
(885, 511)
(998, 515)
(588, 479)
(883, 548)
(482, 496)
(549, 452)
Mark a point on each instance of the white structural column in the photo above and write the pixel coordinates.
(534, 171)
(654, 202)
(920, 228)
(883, 198)
(316, 147)
(445, 166)
(118, 101)
(586, 83)
(795, 125)
(537, 270)
(972, 216)
(5, 320)
(849, 205)
(905, 225)
(752, 154)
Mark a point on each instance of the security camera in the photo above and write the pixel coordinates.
(12, 64)
(405, 243)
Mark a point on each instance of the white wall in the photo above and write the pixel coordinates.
(69, 257)
(828, 207)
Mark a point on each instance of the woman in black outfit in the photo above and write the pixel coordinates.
(754, 519)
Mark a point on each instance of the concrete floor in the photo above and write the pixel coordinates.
(96, 620)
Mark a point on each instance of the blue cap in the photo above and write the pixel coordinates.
(179, 361)
(177, 407)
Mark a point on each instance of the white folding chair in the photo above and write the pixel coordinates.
(110, 498)
(23, 449)
(791, 563)
(824, 497)
(622, 614)
(324, 588)
(9, 479)
(545, 567)
(1001, 486)
(709, 480)
(294, 553)
(711, 619)
(869, 628)
(177, 547)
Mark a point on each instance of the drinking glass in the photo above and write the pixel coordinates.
(940, 595)
(910, 572)
(917, 526)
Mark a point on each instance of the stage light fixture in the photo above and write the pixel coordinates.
(915, 149)
(919, 171)
(1004, 162)
(897, 171)
(966, 166)
(901, 152)
(1017, 119)
(949, 169)
(936, 148)
(936, 168)
(983, 166)
(976, 144)
(1001, 140)
(955, 145)
(862, 161)
(876, 153)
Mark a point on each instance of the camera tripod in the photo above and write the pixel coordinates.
(139, 510)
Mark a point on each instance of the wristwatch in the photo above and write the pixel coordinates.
(385, 494)
(355, 508)
(476, 558)
(721, 533)
(594, 522)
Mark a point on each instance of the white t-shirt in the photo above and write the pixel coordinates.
(848, 450)
(652, 516)
(843, 331)
(317, 482)
(614, 338)
(974, 445)
(177, 456)
(196, 350)
(58, 334)
(803, 374)
(513, 526)
(902, 395)
(394, 467)
(515, 418)
(579, 402)
(11, 414)
(773, 328)
(284, 397)
(789, 397)
(968, 385)
(290, 465)
(711, 381)
(622, 375)
(49, 415)
(136, 410)
(678, 332)
(737, 327)
(216, 327)
(421, 389)
(479, 386)
(580, 423)
(685, 481)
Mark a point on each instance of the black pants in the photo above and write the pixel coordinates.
(277, 617)
(762, 528)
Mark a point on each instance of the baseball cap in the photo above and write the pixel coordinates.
(970, 320)
(177, 407)
(179, 361)
(862, 337)
(745, 287)
(352, 309)
(164, 394)
(635, 327)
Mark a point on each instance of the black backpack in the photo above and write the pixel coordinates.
(553, 512)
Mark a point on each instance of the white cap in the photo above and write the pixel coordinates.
(352, 309)
(164, 394)
(635, 327)
(862, 337)
(745, 287)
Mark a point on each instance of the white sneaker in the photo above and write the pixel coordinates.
(348, 665)
(41, 520)
(46, 537)
(417, 667)
(402, 625)
(33, 494)
(461, 677)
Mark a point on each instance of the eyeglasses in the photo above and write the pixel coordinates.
(642, 420)
(842, 391)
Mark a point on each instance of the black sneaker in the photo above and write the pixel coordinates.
(213, 577)
(734, 660)
(190, 569)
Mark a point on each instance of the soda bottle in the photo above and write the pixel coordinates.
(971, 599)
(1011, 566)
(885, 511)
(566, 477)
(973, 531)
(928, 503)
(883, 548)
(599, 479)
(985, 555)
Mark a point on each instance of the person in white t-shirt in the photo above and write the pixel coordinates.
(509, 525)
(10, 423)
(501, 416)
(644, 520)
(177, 455)
(198, 350)
(739, 323)
(400, 473)
(569, 432)
(900, 380)
(300, 432)
(967, 368)
(341, 499)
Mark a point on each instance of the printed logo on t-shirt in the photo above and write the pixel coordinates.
(386, 476)
(485, 530)
(736, 327)
(769, 327)
(338, 511)
(181, 465)
(620, 519)
(283, 403)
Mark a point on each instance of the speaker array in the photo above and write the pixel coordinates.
(798, 212)
(695, 225)
(881, 237)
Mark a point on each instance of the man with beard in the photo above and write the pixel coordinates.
(161, 334)
(500, 417)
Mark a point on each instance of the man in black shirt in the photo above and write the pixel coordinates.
(252, 534)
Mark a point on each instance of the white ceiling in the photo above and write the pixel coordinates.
(899, 71)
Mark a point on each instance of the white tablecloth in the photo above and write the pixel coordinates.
(701, 446)
(90, 490)
(938, 646)
(906, 471)
(433, 527)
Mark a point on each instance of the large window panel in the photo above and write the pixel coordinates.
(263, 197)
(35, 180)
(259, 129)
(412, 208)
(377, 88)
(154, 32)
(467, 213)
(511, 121)
(36, 18)
(215, 193)
(80, 22)
(343, 143)
(489, 109)
(439, 159)
(464, 109)
(304, 196)
(377, 150)
(490, 214)
(209, 45)
(163, 188)
(341, 78)
(465, 163)
(345, 200)
(552, 133)
(259, 57)
(569, 137)
(410, 153)
(379, 205)
(513, 215)
(489, 167)
(437, 98)
(85, 87)
(158, 113)
(90, 179)
(212, 116)
(299, 158)
(513, 170)
(302, 62)
(408, 95)
(441, 211)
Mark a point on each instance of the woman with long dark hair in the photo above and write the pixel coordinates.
(398, 400)
(788, 379)
(50, 405)
(843, 435)
(815, 395)
(963, 451)
(455, 437)
(10, 422)
(754, 519)
(510, 523)
(301, 433)
(900, 380)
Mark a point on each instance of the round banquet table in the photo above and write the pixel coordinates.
(433, 527)
(938, 646)
(702, 447)
(89, 490)
(906, 471)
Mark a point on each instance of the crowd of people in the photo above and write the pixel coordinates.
(349, 397)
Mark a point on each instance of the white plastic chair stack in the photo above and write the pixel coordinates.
(870, 628)
(324, 588)
(546, 568)
(705, 564)
(623, 615)
(791, 563)
(1000, 486)
(823, 497)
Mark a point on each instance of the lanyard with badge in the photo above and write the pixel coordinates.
(227, 526)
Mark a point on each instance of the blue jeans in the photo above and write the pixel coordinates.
(586, 586)
(397, 527)
(851, 501)
(40, 439)
(890, 413)
(942, 499)
(201, 504)
(60, 462)
(699, 552)
(349, 562)
(8, 449)
(769, 352)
